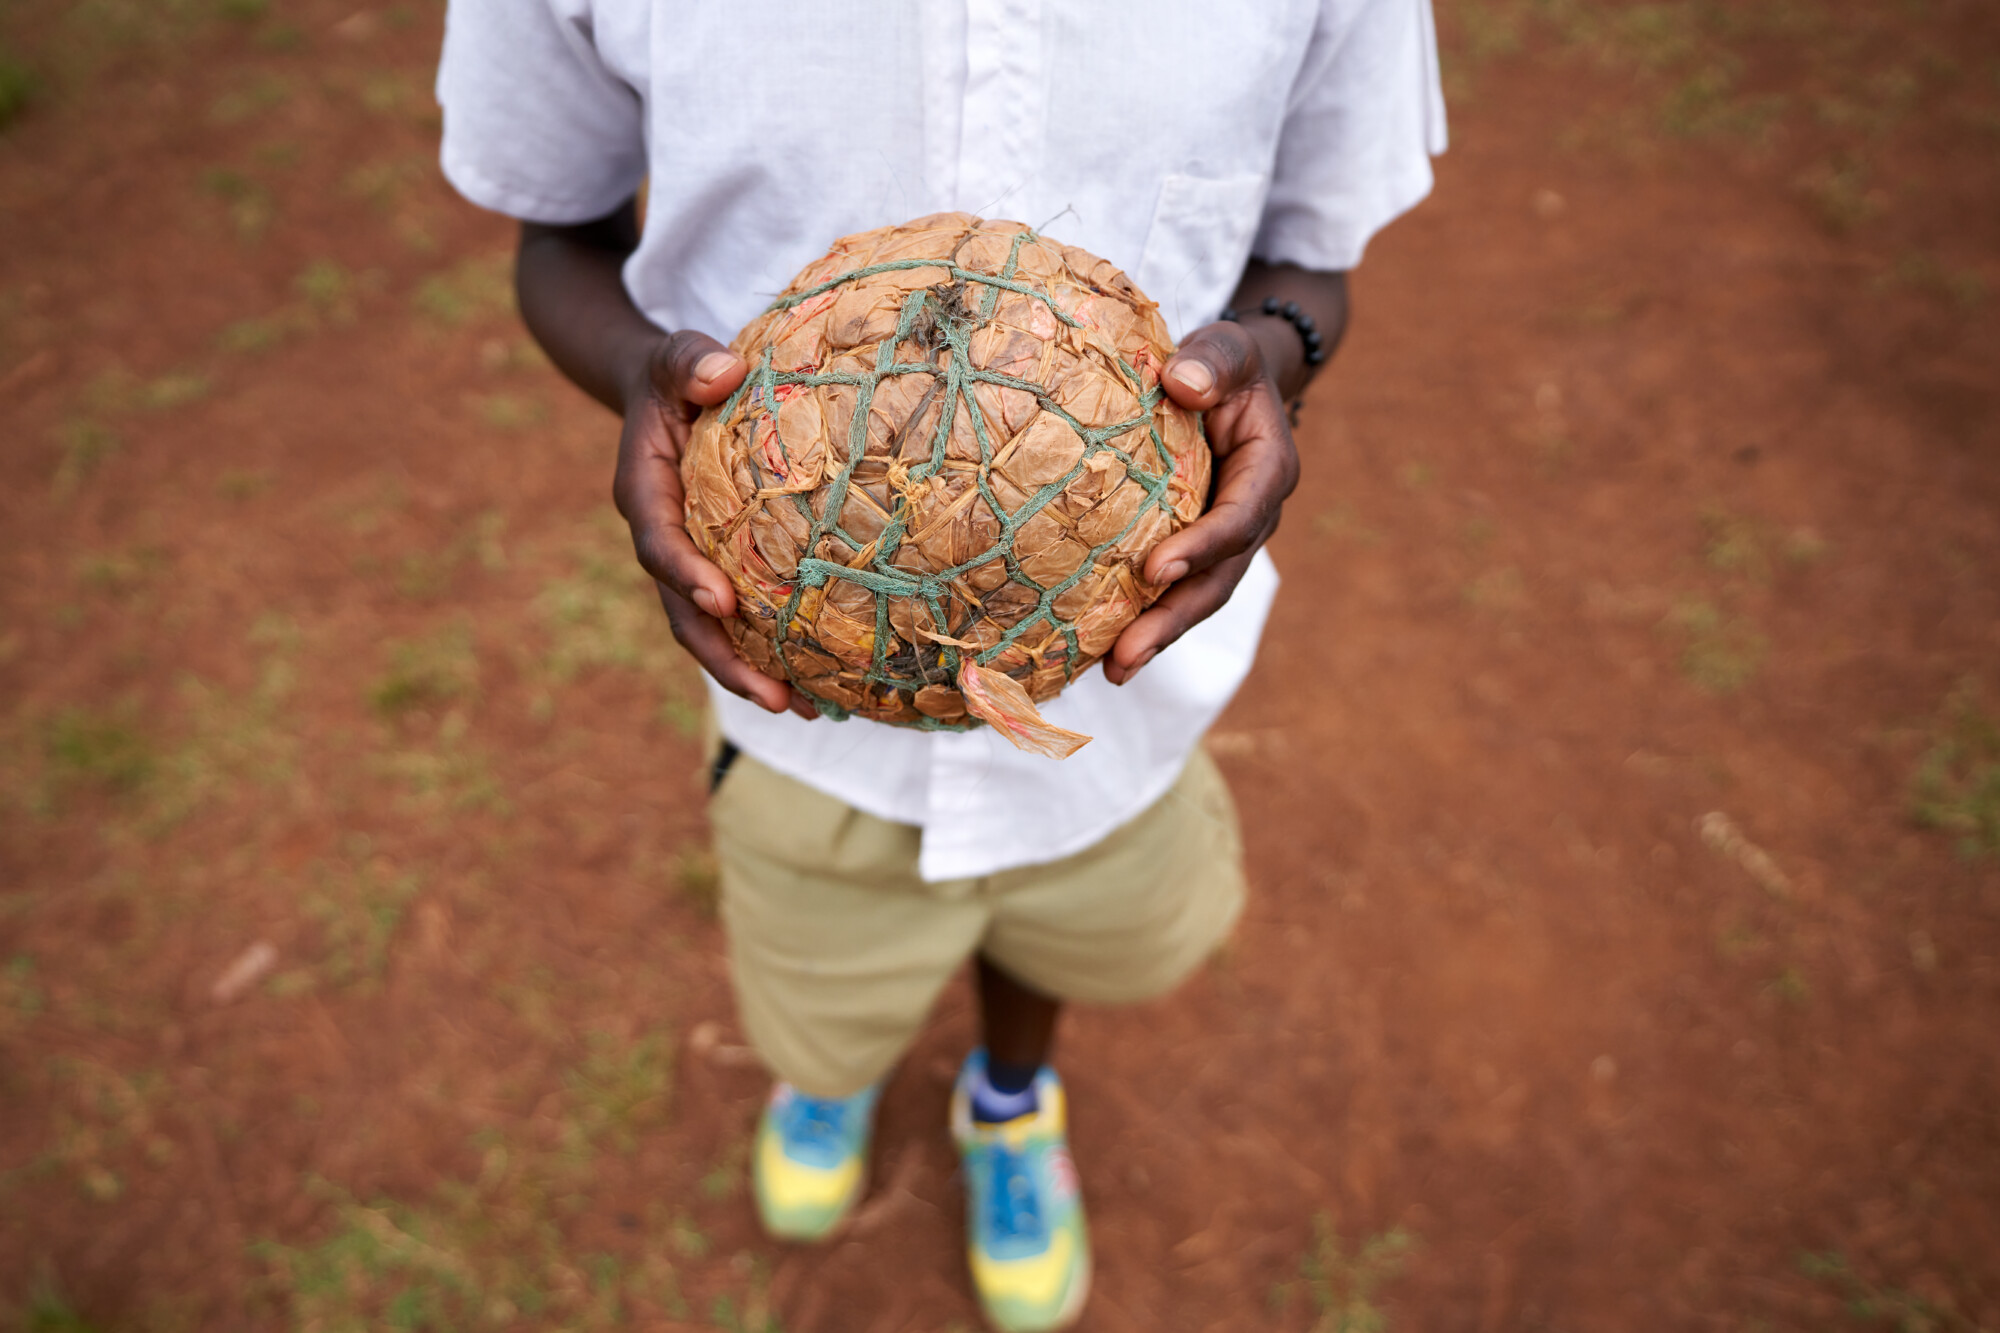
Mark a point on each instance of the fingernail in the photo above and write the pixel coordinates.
(705, 599)
(1172, 572)
(713, 366)
(1194, 377)
(1135, 668)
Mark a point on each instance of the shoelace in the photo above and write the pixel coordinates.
(1013, 1208)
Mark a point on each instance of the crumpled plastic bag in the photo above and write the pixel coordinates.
(939, 483)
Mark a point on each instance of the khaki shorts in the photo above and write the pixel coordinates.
(838, 949)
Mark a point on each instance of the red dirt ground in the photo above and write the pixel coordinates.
(1649, 549)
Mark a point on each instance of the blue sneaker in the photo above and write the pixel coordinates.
(1025, 1234)
(811, 1160)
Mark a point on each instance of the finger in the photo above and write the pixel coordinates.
(1183, 606)
(709, 644)
(694, 367)
(1213, 362)
(803, 705)
(1252, 483)
(667, 553)
(647, 490)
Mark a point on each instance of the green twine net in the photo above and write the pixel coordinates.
(941, 320)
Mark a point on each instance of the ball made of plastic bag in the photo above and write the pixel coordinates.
(937, 487)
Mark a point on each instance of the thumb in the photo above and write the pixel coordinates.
(693, 367)
(1213, 362)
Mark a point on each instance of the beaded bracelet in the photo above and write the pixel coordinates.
(1298, 319)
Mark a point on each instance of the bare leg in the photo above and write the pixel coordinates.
(1019, 1023)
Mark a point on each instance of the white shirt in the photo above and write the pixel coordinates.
(1175, 138)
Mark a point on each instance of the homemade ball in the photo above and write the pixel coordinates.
(952, 452)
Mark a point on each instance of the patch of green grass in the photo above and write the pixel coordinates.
(172, 390)
(507, 356)
(481, 288)
(1732, 544)
(250, 206)
(381, 183)
(82, 446)
(328, 289)
(117, 574)
(603, 615)
(606, 615)
(1872, 1303)
(1496, 591)
(240, 484)
(102, 1123)
(1840, 195)
(18, 88)
(1344, 521)
(170, 766)
(390, 92)
(49, 1311)
(489, 1252)
(1342, 1288)
(688, 1240)
(1653, 36)
(21, 995)
(264, 93)
(1957, 784)
(429, 672)
(448, 776)
(620, 1088)
(696, 875)
(88, 749)
(95, 31)
(388, 1266)
(257, 334)
(754, 1316)
(231, 739)
(1720, 653)
(429, 574)
(282, 36)
(358, 910)
(725, 1178)
(1706, 103)
(1489, 31)
(510, 412)
(1927, 275)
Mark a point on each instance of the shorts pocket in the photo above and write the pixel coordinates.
(1198, 242)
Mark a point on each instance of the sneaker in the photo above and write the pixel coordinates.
(811, 1160)
(1025, 1235)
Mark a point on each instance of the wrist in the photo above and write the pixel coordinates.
(1279, 351)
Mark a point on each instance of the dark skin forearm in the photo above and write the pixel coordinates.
(1319, 294)
(574, 302)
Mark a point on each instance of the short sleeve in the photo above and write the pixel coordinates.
(535, 125)
(1365, 118)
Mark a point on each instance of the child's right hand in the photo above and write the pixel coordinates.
(680, 375)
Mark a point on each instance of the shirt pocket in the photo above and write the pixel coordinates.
(1197, 245)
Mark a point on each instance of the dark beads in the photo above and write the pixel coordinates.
(1289, 312)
